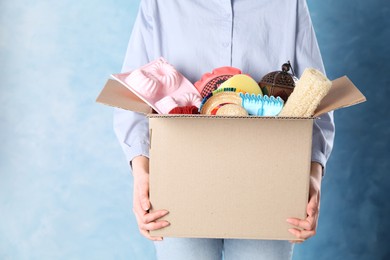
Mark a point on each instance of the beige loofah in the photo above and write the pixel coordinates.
(311, 88)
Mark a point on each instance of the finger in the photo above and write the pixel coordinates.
(139, 214)
(138, 218)
(138, 210)
(150, 217)
(302, 234)
(296, 241)
(147, 221)
(312, 210)
(306, 224)
(148, 236)
(154, 225)
(313, 213)
(143, 195)
(144, 218)
(144, 229)
(313, 206)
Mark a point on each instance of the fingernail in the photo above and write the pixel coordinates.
(165, 224)
(291, 230)
(145, 206)
(289, 221)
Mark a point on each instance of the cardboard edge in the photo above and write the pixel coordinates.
(226, 117)
(343, 93)
(118, 78)
(160, 232)
(116, 95)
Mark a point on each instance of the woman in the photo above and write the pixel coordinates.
(256, 36)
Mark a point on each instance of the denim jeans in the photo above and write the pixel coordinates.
(230, 249)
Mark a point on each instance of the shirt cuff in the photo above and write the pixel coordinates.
(137, 148)
(319, 157)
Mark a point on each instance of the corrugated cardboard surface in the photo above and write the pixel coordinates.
(229, 177)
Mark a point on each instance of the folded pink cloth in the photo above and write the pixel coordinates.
(161, 86)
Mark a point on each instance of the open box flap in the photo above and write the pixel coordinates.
(342, 94)
(116, 94)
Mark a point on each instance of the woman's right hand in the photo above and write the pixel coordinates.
(141, 204)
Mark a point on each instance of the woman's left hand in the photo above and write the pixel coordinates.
(306, 228)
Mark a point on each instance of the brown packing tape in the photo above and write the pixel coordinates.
(116, 95)
(343, 93)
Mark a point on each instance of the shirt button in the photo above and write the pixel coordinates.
(226, 44)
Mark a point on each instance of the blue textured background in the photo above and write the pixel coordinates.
(65, 189)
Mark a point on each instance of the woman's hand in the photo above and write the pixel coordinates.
(141, 204)
(308, 226)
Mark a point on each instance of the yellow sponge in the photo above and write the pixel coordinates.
(243, 83)
(310, 89)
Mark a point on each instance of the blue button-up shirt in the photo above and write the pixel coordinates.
(196, 36)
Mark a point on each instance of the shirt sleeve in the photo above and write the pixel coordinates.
(307, 54)
(131, 128)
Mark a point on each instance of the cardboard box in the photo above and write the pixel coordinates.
(229, 177)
